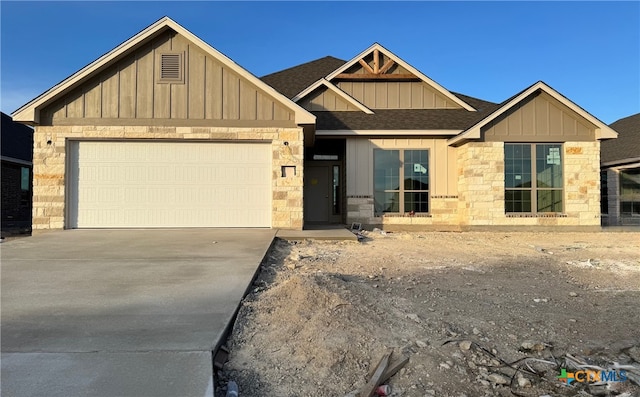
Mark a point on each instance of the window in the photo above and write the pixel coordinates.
(336, 190)
(533, 178)
(604, 193)
(630, 192)
(171, 67)
(25, 179)
(401, 181)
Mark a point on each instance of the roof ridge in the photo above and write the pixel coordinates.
(303, 64)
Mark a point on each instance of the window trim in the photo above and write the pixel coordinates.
(627, 197)
(534, 189)
(401, 189)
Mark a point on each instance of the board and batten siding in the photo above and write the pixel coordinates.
(539, 118)
(396, 95)
(130, 89)
(359, 167)
(326, 100)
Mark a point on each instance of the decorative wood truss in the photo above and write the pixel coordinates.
(377, 72)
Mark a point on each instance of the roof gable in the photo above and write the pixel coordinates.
(511, 105)
(368, 66)
(30, 113)
(16, 141)
(340, 99)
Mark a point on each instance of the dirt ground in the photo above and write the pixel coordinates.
(463, 307)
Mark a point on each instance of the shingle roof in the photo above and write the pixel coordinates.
(400, 119)
(627, 145)
(292, 81)
(16, 139)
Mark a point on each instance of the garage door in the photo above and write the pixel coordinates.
(169, 184)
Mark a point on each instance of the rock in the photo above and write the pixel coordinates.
(444, 366)
(573, 294)
(498, 379)
(523, 382)
(476, 331)
(634, 353)
(292, 265)
(421, 344)
(414, 317)
(539, 300)
(528, 346)
(464, 345)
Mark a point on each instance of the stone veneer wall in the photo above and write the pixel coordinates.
(443, 214)
(49, 164)
(612, 218)
(480, 199)
(481, 187)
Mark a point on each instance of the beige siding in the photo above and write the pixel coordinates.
(396, 95)
(442, 164)
(325, 99)
(540, 118)
(129, 89)
(359, 167)
(145, 79)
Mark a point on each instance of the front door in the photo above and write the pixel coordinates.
(322, 193)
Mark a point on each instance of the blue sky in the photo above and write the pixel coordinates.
(588, 51)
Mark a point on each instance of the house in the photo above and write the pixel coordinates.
(620, 162)
(17, 156)
(165, 131)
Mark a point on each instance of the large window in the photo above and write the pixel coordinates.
(630, 192)
(533, 178)
(401, 179)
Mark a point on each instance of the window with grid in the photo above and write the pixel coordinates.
(401, 181)
(630, 192)
(533, 178)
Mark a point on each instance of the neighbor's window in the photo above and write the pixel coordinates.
(630, 192)
(533, 178)
(25, 179)
(604, 193)
(401, 180)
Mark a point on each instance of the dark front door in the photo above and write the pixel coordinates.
(322, 194)
(316, 194)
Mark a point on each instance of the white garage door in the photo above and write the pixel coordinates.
(169, 184)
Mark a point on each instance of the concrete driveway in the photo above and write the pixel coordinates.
(121, 312)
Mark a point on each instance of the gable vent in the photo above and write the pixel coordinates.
(171, 67)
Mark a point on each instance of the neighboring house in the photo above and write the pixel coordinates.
(620, 162)
(165, 131)
(17, 156)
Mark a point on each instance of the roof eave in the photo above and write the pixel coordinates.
(346, 132)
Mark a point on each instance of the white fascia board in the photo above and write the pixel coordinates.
(603, 131)
(15, 160)
(336, 90)
(30, 113)
(386, 132)
(628, 163)
(27, 113)
(405, 65)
